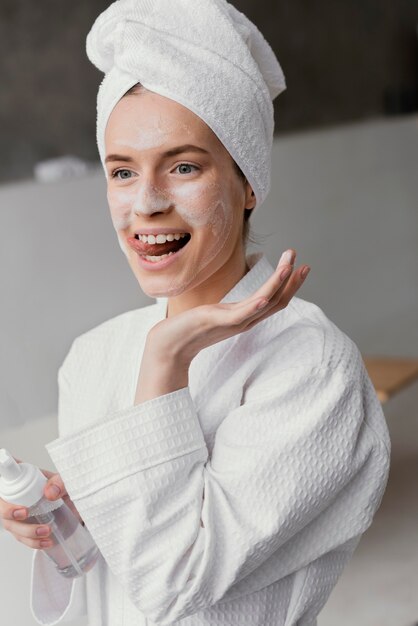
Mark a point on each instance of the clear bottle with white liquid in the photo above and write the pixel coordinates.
(73, 551)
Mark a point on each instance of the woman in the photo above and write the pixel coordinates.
(224, 447)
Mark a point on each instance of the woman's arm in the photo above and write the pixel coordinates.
(295, 472)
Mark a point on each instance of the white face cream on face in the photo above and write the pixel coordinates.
(193, 192)
(205, 212)
(142, 138)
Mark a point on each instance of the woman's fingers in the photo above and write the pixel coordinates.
(279, 302)
(274, 283)
(288, 258)
(13, 517)
(271, 297)
(281, 274)
(55, 487)
(284, 282)
(30, 534)
(232, 314)
(274, 287)
(8, 511)
(294, 283)
(21, 530)
(280, 298)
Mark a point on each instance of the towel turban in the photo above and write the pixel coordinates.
(203, 54)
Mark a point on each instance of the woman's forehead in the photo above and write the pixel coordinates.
(145, 120)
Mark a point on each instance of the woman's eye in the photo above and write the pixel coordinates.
(116, 172)
(183, 168)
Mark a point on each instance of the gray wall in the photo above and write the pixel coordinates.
(339, 58)
(345, 198)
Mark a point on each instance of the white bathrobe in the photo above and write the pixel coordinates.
(234, 501)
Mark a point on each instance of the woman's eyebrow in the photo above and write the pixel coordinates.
(186, 148)
(168, 153)
(118, 157)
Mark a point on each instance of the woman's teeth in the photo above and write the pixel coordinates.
(160, 246)
(160, 238)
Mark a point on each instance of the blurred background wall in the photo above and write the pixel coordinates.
(344, 195)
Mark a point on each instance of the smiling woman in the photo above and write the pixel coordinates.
(175, 188)
(224, 446)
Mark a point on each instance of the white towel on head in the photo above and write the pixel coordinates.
(205, 55)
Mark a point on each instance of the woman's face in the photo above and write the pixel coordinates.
(168, 171)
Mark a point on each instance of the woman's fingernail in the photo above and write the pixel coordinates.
(262, 304)
(19, 514)
(305, 271)
(54, 490)
(286, 257)
(285, 273)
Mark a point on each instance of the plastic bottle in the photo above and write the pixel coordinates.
(73, 551)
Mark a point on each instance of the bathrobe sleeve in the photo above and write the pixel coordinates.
(53, 598)
(296, 471)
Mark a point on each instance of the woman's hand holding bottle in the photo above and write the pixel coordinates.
(13, 517)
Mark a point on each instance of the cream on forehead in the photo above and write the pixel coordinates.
(154, 134)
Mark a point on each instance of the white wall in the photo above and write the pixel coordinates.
(344, 198)
(347, 200)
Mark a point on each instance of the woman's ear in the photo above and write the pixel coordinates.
(250, 199)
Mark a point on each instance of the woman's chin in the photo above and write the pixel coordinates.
(164, 290)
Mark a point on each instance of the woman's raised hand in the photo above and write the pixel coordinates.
(13, 516)
(191, 331)
(173, 342)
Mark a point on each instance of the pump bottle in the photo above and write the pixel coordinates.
(73, 551)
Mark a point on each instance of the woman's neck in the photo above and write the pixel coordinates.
(211, 290)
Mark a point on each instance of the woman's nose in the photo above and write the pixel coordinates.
(150, 200)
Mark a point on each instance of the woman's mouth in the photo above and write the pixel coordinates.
(158, 253)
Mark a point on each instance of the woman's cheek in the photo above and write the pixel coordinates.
(198, 204)
(120, 205)
(219, 225)
(210, 211)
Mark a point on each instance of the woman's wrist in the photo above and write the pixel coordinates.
(160, 377)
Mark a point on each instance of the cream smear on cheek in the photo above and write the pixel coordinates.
(205, 207)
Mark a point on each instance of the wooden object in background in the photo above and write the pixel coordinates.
(390, 374)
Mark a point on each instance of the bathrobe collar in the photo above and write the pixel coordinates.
(260, 270)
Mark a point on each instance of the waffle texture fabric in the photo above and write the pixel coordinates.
(205, 55)
(234, 501)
